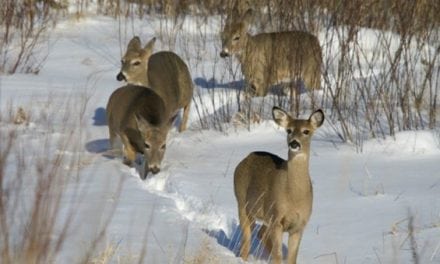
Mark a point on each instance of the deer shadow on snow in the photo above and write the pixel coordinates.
(99, 145)
(212, 83)
(241, 85)
(232, 243)
(102, 146)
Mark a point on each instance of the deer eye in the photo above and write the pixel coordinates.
(122, 61)
(236, 38)
(306, 131)
(163, 147)
(136, 63)
(147, 146)
(289, 131)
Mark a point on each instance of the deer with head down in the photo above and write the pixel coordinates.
(140, 119)
(142, 112)
(276, 191)
(271, 58)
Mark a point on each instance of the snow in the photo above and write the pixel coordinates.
(361, 200)
(407, 144)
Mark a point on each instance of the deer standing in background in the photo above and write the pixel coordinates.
(276, 191)
(271, 58)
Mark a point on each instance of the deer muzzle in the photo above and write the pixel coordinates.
(154, 169)
(294, 145)
(121, 77)
(147, 169)
(224, 53)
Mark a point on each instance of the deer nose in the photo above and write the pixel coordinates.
(121, 77)
(294, 145)
(224, 53)
(154, 169)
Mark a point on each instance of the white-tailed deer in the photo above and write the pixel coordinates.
(276, 191)
(164, 72)
(271, 58)
(139, 117)
(134, 63)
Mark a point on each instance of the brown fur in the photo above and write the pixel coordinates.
(138, 116)
(271, 58)
(276, 191)
(170, 78)
(164, 72)
(134, 63)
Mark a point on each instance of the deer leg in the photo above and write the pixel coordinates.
(264, 237)
(185, 117)
(112, 137)
(312, 80)
(312, 85)
(115, 144)
(317, 86)
(261, 87)
(293, 245)
(251, 90)
(295, 97)
(246, 227)
(297, 91)
(128, 151)
(276, 237)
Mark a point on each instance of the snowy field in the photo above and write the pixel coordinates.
(363, 202)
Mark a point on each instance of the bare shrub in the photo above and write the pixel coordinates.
(23, 33)
(36, 215)
(379, 84)
(28, 218)
(372, 86)
(21, 117)
(203, 255)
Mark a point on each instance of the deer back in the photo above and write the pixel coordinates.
(281, 54)
(130, 102)
(169, 77)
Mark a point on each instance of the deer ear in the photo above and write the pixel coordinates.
(317, 118)
(148, 50)
(150, 45)
(134, 44)
(141, 122)
(280, 117)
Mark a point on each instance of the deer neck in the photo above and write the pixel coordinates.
(248, 47)
(298, 172)
(144, 81)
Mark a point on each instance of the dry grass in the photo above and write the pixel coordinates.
(367, 92)
(24, 28)
(363, 103)
(204, 255)
(35, 224)
(112, 253)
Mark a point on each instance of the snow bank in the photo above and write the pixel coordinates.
(406, 144)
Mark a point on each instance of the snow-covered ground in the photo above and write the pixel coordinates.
(362, 201)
